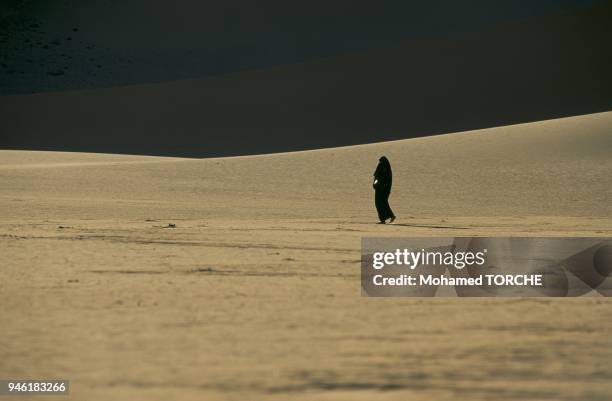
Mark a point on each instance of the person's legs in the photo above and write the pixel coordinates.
(382, 206)
(379, 201)
(389, 213)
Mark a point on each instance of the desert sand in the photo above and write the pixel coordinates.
(254, 294)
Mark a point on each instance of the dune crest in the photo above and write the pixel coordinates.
(557, 167)
(547, 67)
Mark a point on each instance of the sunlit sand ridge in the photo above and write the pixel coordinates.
(148, 278)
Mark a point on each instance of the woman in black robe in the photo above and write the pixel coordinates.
(383, 179)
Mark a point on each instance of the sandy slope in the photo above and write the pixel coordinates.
(255, 293)
(546, 67)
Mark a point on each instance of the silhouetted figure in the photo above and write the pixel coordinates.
(383, 179)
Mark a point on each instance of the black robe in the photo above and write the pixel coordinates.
(383, 180)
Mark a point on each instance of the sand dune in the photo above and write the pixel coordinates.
(255, 293)
(32, 159)
(547, 67)
(557, 167)
(70, 46)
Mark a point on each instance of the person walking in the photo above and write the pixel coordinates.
(383, 180)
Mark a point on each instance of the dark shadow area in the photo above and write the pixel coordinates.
(544, 68)
(58, 45)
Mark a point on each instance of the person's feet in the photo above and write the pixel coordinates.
(381, 222)
(392, 219)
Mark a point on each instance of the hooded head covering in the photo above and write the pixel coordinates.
(383, 173)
